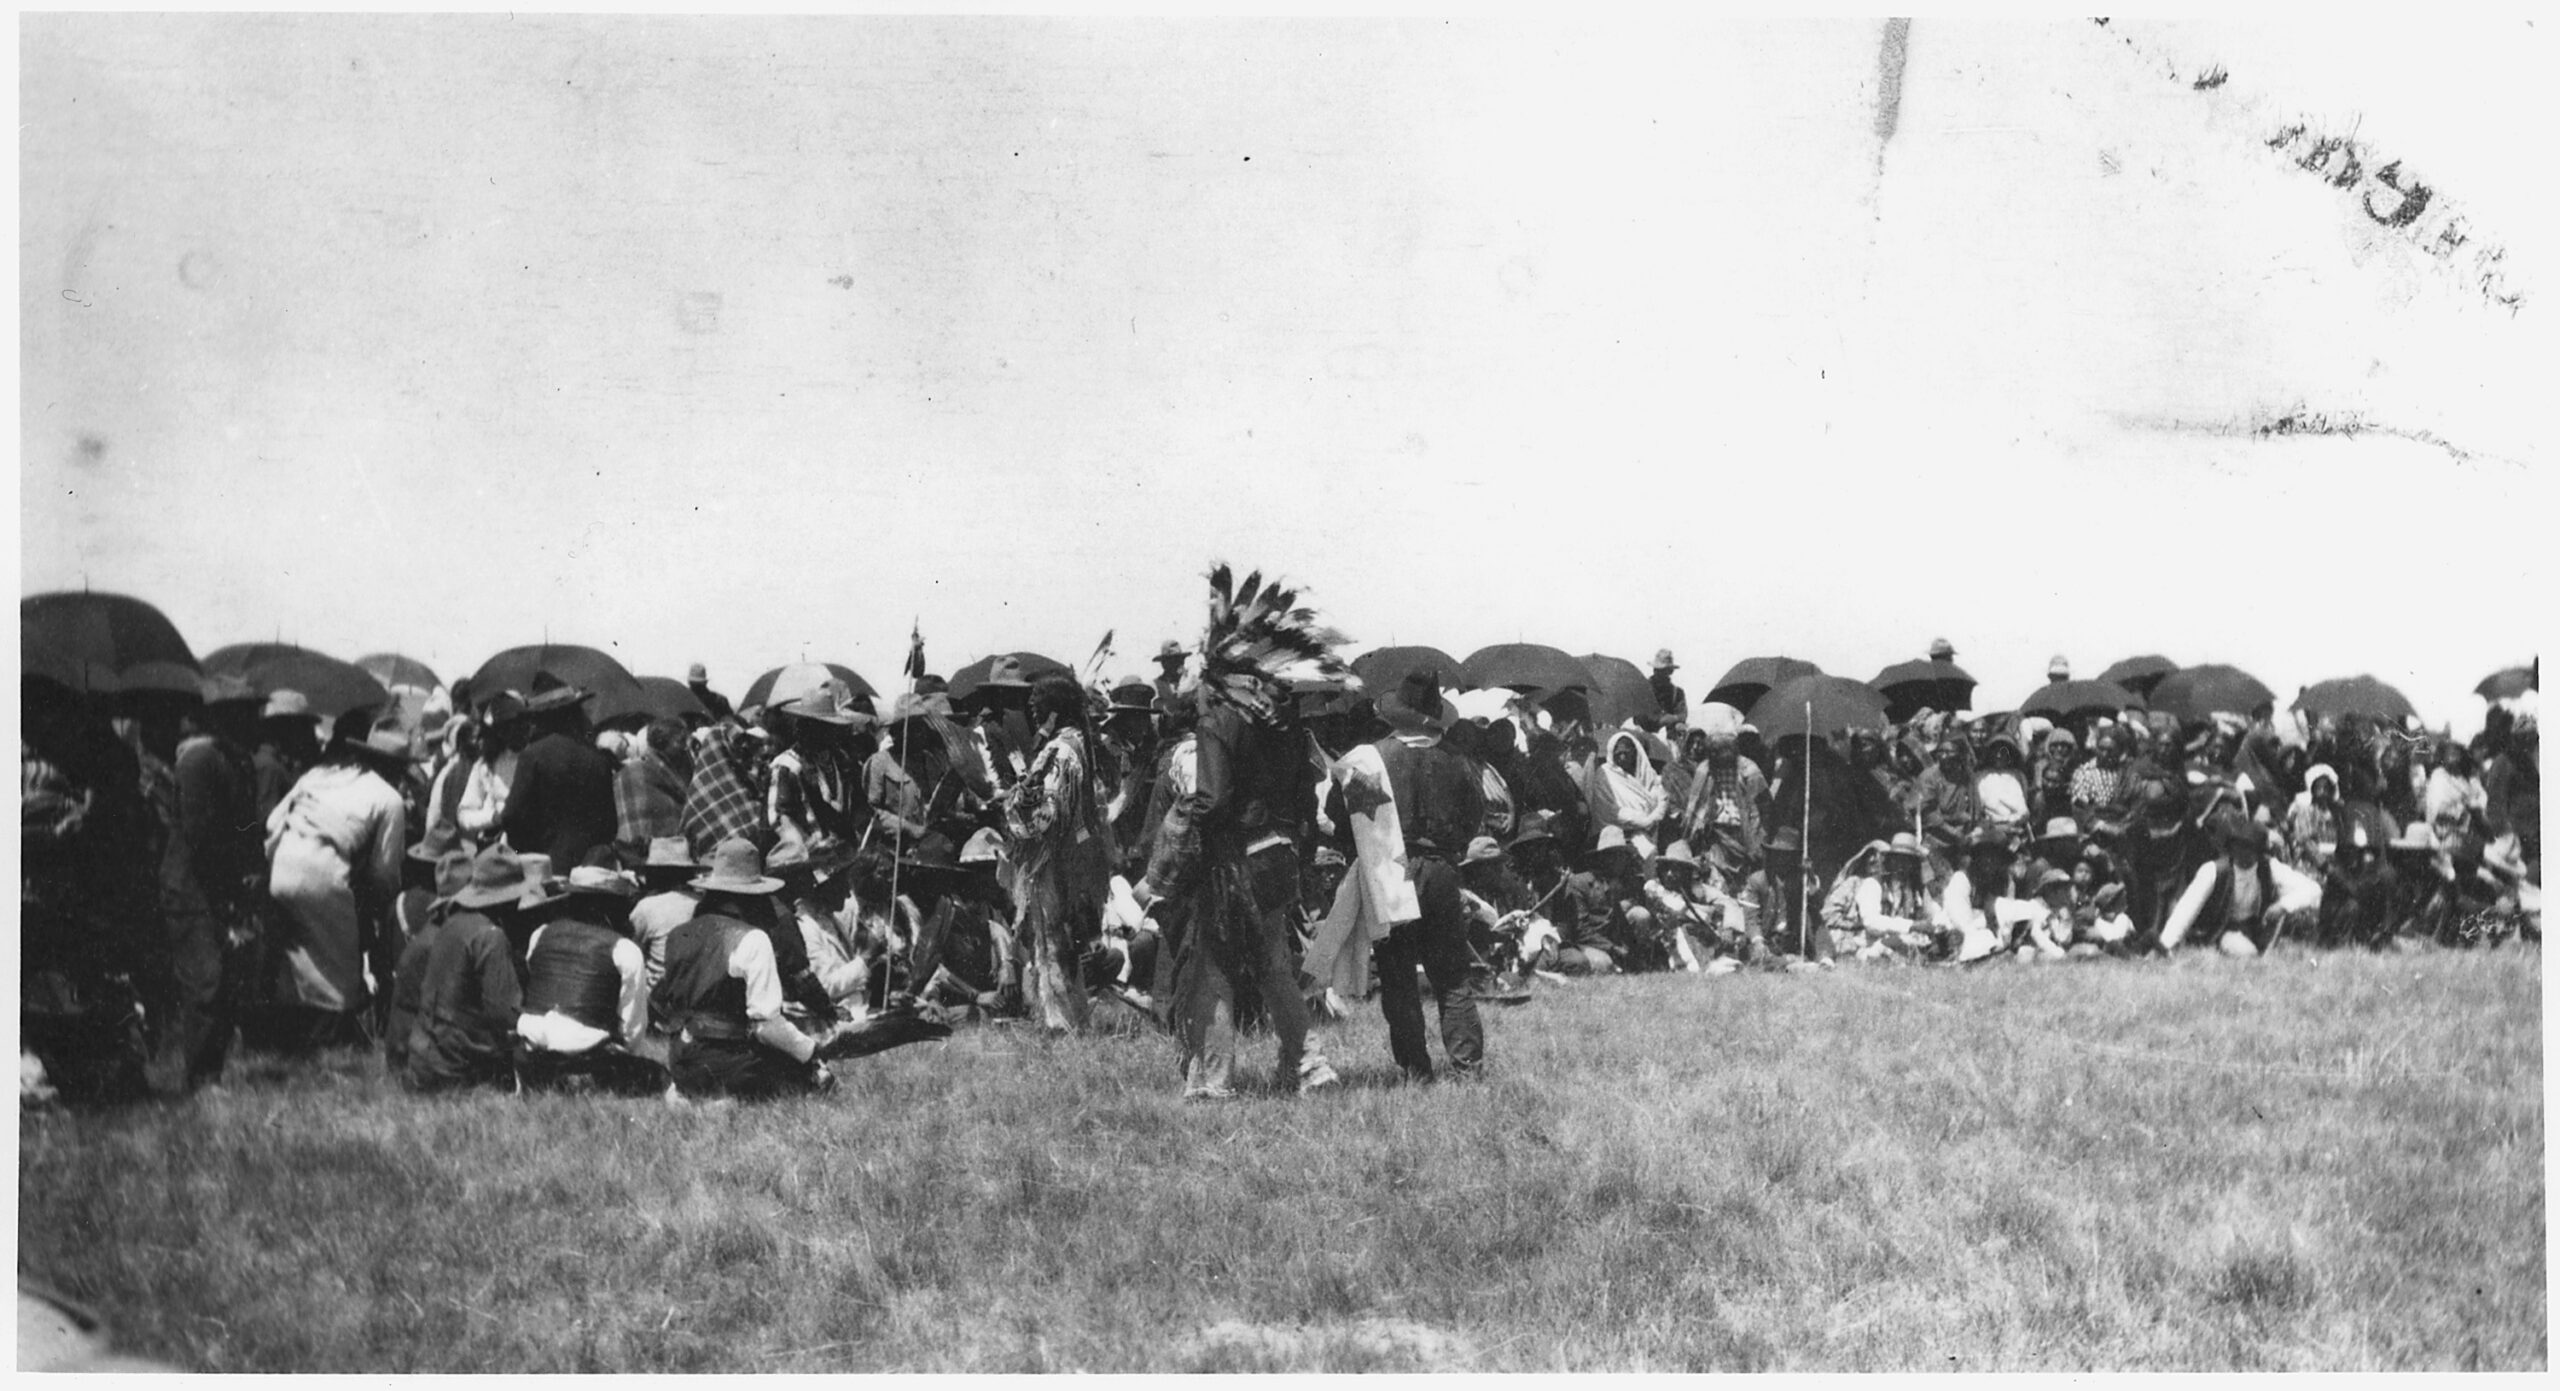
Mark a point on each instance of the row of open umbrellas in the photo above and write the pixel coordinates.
(112, 642)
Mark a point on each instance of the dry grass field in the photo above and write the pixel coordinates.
(2314, 1162)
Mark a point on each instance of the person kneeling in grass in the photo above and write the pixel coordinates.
(586, 999)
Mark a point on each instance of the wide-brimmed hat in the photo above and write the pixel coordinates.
(288, 705)
(737, 868)
(1172, 652)
(1985, 838)
(497, 876)
(669, 852)
(821, 860)
(827, 705)
(2060, 828)
(2052, 879)
(1941, 650)
(2059, 668)
(697, 674)
(607, 883)
(1481, 849)
(1783, 841)
(1662, 661)
(1904, 844)
(1133, 698)
(541, 891)
(1677, 853)
(551, 693)
(2238, 831)
(1612, 842)
(1417, 704)
(1535, 827)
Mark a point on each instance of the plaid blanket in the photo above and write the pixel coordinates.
(648, 802)
(723, 800)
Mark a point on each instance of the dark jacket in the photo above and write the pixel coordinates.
(468, 999)
(1439, 796)
(561, 803)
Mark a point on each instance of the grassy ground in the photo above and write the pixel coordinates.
(2307, 1162)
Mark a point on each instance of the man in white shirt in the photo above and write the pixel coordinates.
(2244, 900)
(721, 997)
(586, 997)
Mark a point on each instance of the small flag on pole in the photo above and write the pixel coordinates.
(915, 653)
(1101, 654)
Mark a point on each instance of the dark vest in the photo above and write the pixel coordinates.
(572, 971)
(698, 992)
(2218, 903)
(1439, 795)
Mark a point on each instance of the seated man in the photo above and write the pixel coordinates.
(409, 978)
(2244, 899)
(586, 1000)
(468, 992)
(817, 899)
(2100, 925)
(1594, 925)
(1885, 913)
(2051, 933)
(667, 900)
(1978, 919)
(1705, 926)
(722, 996)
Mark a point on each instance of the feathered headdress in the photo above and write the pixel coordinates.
(1259, 641)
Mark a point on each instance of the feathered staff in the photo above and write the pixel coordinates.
(1259, 641)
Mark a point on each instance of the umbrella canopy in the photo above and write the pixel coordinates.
(2139, 674)
(2194, 693)
(1839, 704)
(615, 690)
(1754, 677)
(1923, 683)
(2065, 699)
(670, 699)
(2355, 695)
(392, 669)
(2513, 682)
(104, 643)
(1034, 666)
(1527, 666)
(1384, 669)
(799, 679)
(1620, 690)
(333, 687)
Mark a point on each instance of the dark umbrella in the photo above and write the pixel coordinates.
(615, 691)
(2139, 674)
(1384, 669)
(104, 643)
(1034, 666)
(2513, 682)
(1754, 677)
(333, 687)
(1620, 690)
(670, 699)
(1527, 666)
(2194, 693)
(1839, 704)
(791, 682)
(1923, 683)
(2065, 699)
(392, 669)
(2355, 695)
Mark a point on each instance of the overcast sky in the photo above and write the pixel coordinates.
(744, 341)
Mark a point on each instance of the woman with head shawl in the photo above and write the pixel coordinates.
(1627, 793)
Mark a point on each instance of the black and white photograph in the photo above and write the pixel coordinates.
(1480, 692)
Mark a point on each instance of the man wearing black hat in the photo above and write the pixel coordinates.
(1439, 798)
(561, 802)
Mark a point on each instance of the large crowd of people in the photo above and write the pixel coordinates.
(726, 904)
